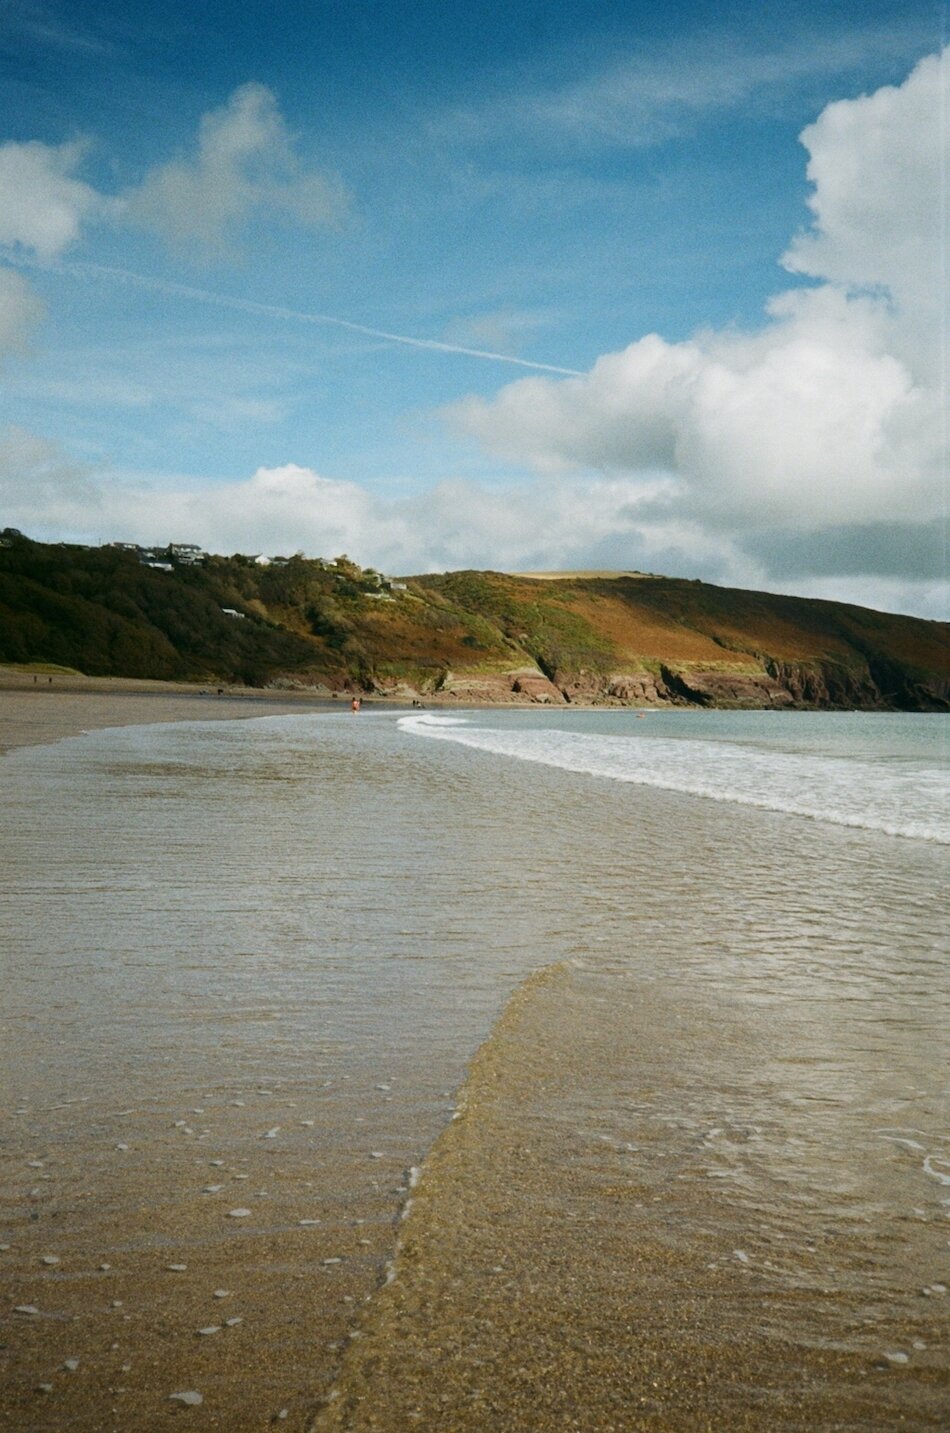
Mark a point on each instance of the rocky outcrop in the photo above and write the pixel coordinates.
(536, 687)
(523, 685)
(774, 686)
(637, 689)
(727, 689)
(874, 684)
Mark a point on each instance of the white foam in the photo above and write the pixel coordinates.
(938, 1174)
(896, 799)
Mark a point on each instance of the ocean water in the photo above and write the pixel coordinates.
(741, 1021)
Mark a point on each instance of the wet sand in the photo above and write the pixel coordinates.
(545, 1279)
(98, 1202)
(120, 1236)
(37, 708)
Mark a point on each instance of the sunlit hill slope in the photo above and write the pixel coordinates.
(469, 636)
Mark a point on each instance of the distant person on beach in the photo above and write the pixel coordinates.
(356, 704)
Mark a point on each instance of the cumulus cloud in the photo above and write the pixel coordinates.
(454, 524)
(42, 203)
(878, 165)
(830, 417)
(589, 523)
(245, 162)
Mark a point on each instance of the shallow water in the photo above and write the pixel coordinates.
(750, 1031)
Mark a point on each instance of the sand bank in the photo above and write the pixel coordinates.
(549, 1277)
(42, 707)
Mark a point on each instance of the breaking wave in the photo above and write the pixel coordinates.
(906, 799)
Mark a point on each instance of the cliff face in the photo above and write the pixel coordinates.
(632, 639)
(779, 686)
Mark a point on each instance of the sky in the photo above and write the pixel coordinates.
(445, 285)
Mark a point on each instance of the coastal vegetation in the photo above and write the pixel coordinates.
(628, 638)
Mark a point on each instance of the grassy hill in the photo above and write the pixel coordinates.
(626, 638)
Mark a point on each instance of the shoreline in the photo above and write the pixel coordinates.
(43, 707)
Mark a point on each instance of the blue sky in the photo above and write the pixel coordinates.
(188, 193)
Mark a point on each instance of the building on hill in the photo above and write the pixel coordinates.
(186, 552)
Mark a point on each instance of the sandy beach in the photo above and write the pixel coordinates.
(122, 1233)
(42, 706)
(239, 1025)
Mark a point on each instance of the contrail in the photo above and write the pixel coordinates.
(228, 301)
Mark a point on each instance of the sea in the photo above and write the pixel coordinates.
(676, 982)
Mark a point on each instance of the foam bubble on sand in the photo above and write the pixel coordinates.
(943, 1177)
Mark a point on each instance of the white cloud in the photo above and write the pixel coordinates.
(879, 166)
(42, 203)
(245, 162)
(20, 311)
(42, 208)
(601, 523)
(39, 482)
(831, 415)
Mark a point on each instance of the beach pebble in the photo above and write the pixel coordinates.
(308, 1124)
(221, 1294)
(238, 1213)
(122, 1146)
(284, 1413)
(238, 1103)
(44, 1388)
(212, 1189)
(26, 1309)
(741, 1255)
(116, 1304)
(50, 1259)
(897, 1357)
(233, 1323)
(938, 1288)
(307, 1223)
(191, 1399)
(176, 1268)
(217, 1163)
(272, 1133)
(34, 1164)
(376, 1154)
(4, 1248)
(104, 1268)
(212, 1328)
(71, 1363)
(333, 1261)
(179, 1124)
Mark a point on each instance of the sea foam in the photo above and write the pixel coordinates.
(907, 799)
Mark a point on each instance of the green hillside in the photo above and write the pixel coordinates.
(630, 638)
